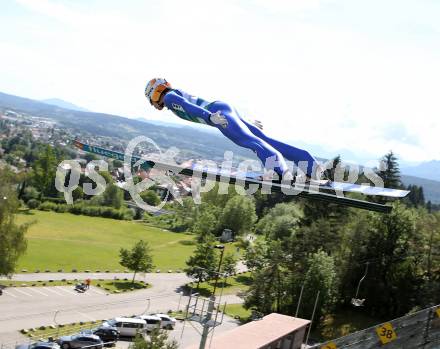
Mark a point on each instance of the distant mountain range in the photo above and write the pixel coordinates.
(63, 104)
(431, 189)
(192, 142)
(429, 170)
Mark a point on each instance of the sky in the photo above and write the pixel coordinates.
(358, 78)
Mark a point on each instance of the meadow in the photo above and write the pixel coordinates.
(65, 241)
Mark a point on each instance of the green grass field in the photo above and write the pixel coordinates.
(66, 241)
(237, 310)
(234, 284)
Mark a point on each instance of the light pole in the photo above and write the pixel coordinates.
(222, 248)
(148, 306)
(56, 323)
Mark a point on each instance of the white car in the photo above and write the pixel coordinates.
(127, 327)
(152, 321)
(168, 322)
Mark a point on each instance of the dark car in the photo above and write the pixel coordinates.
(39, 345)
(108, 335)
(80, 340)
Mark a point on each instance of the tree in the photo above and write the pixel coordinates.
(44, 172)
(138, 259)
(12, 236)
(268, 286)
(78, 194)
(118, 163)
(229, 265)
(255, 255)
(416, 197)
(238, 214)
(392, 248)
(281, 221)
(391, 172)
(184, 215)
(203, 263)
(113, 196)
(150, 197)
(30, 193)
(320, 276)
(330, 173)
(89, 157)
(206, 221)
(157, 339)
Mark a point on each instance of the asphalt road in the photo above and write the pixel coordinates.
(29, 307)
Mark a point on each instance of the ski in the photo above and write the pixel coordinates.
(311, 190)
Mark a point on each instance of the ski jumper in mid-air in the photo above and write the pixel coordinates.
(239, 130)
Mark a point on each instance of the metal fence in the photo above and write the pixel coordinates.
(418, 330)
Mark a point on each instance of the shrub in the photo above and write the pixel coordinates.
(30, 193)
(47, 206)
(33, 203)
(61, 208)
(54, 200)
(83, 208)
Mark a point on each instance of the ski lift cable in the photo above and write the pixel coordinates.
(362, 279)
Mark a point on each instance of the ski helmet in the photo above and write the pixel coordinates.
(154, 89)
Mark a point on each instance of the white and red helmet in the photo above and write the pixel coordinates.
(155, 88)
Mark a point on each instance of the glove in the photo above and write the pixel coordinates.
(258, 124)
(218, 119)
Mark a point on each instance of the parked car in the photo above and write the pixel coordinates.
(107, 334)
(127, 327)
(152, 321)
(80, 340)
(167, 321)
(39, 345)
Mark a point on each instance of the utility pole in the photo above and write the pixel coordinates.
(222, 248)
(299, 300)
(211, 304)
(207, 321)
(313, 315)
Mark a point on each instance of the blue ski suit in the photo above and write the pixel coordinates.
(238, 130)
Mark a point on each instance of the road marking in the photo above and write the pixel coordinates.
(97, 291)
(8, 293)
(53, 291)
(87, 292)
(22, 292)
(61, 288)
(85, 315)
(38, 291)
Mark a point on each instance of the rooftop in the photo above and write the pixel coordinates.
(257, 334)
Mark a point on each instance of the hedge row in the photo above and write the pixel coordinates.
(83, 209)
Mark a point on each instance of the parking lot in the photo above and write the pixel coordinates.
(23, 292)
(28, 307)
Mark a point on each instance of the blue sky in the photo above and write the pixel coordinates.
(357, 77)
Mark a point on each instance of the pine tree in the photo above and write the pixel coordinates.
(203, 263)
(390, 173)
(44, 172)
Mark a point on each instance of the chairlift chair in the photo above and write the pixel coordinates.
(357, 302)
